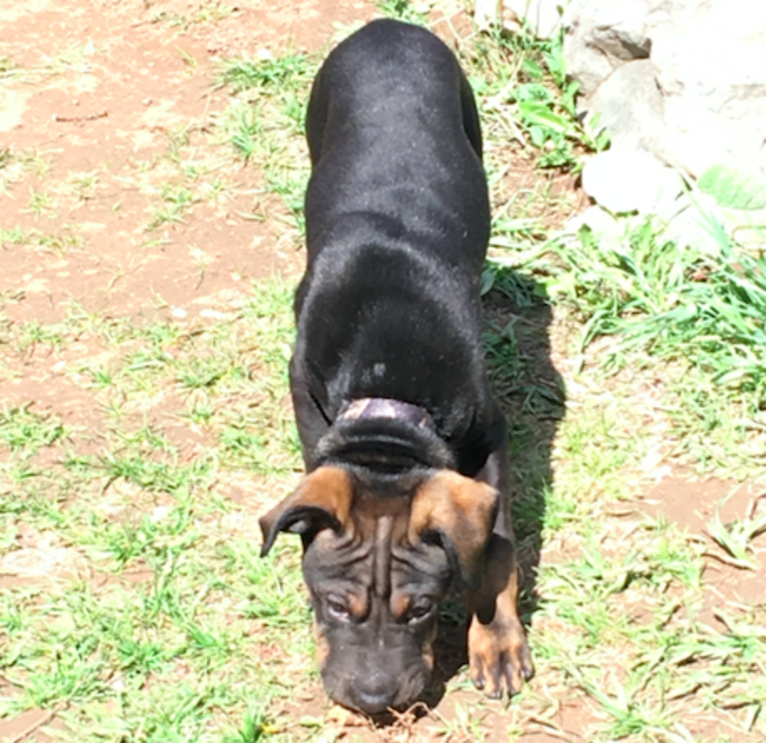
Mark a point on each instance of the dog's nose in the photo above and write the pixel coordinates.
(375, 694)
(374, 703)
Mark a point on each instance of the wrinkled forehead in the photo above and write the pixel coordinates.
(376, 555)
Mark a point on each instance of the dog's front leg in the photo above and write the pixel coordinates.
(497, 646)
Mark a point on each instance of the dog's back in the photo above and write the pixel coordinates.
(394, 136)
(397, 226)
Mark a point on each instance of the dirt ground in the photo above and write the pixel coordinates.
(103, 87)
(137, 84)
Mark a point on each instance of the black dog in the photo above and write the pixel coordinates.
(404, 444)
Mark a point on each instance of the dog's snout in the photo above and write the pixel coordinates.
(374, 691)
(374, 704)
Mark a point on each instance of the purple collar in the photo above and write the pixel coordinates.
(380, 407)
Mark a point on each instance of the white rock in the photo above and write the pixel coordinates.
(697, 218)
(486, 12)
(711, 63)
(629, 106)
(684, 79)
(211, 314)
(692, 222)
(601, 35)
(625, 179)
(599, 221)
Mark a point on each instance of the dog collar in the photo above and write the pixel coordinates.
(380, 407)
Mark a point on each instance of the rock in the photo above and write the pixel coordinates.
(601, 36)
(600, 222)
(625, 179)
(485, 13)
(628, 105)
(715, 103)
(692, 222)
(12, 107)
(684, 79)
(43, 562)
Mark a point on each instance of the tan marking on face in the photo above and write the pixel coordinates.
(400, 603)
(427, 654)
(357, 605)
(323, 646)
(427, 651)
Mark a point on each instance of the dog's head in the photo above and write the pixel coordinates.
(379, 557)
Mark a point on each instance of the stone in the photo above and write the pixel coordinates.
(12, 107)
(600, 222)
(692, 222)
(486, 12)
(683, 79)
(628, 105)
(602, 35)
(625, 179)
(715, 103)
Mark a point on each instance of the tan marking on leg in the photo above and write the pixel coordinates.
(497, 647)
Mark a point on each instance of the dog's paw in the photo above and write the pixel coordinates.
(498, 656)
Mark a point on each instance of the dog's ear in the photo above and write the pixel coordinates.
(322, 500)
(460, 513)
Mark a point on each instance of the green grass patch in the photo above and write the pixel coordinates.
(671, 301)
(22, 429)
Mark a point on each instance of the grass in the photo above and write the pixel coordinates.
(134, 604)
(736, 537)
(699, 312)
(266, 121)
(84, 647)
(22, 429)
(671, 300)
(204, 13)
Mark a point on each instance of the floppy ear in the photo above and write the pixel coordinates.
(322, 500)
(461, 513)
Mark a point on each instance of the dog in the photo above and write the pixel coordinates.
(407, 484)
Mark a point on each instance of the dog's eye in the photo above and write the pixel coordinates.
(337, 610)
(419, 611)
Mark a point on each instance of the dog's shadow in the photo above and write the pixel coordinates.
(531, 392)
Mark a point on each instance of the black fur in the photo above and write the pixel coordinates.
(389, 322)
(398, 220)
